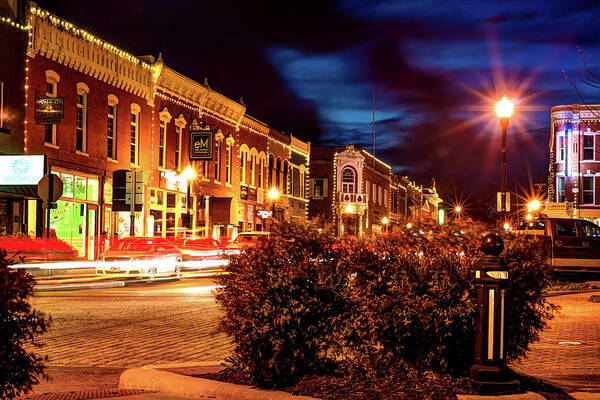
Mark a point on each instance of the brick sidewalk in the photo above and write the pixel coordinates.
(568, 353)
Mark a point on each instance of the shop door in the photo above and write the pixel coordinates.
(92, 232)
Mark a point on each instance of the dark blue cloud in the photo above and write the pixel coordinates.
(310, 67)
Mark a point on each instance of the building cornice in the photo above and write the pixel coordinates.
(63, 42)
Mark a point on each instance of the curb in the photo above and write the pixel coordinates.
(152, 380)
(520, 396)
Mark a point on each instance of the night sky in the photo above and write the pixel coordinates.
(437, 67)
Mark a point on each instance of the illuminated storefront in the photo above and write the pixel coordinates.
(75, 219)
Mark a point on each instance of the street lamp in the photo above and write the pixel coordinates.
(384, 221)
(189, 174)
(504, 109)
(534, 205)
(273, 196)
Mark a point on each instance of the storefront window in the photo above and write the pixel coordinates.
(67, 185)
(92, 189)
(79, 188)
(67, 222)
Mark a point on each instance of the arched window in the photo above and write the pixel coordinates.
(348, 180)
(285, 177)
(278, 173)
(271, 171)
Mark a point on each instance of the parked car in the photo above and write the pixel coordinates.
(200, 252)
(245, 239)
(141, 256)
(32, 250)
(573, 244)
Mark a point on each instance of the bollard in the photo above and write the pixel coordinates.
(489, 372)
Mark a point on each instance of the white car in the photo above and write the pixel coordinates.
(141, 256)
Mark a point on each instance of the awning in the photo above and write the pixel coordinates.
(220, 210)
(28, 191)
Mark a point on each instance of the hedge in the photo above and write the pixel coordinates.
(306, 303)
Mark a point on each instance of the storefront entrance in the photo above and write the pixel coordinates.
(76, 224)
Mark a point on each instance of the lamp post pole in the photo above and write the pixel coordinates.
(504, 125)
(504, 109)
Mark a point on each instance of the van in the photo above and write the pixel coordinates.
(574, 244)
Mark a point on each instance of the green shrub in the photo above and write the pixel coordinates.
(19, 368)
(302, 301)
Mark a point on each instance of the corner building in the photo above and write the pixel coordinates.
(574, 170)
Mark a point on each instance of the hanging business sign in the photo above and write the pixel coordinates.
(49, 110)
(21, 170)
(201, 145)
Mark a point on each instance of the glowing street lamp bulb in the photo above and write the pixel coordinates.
(534, 205)
(504, 108)
(529, 217)
(409, 225)
(458, 209)
(506, 226)
(273, 193)
(349, 208)
(384, 220)
(189, 173)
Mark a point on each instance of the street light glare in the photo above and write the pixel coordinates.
(384, 220)
(534, 205)
(504, 108)
(273, 193)
(349, 209)
(189, 173)
(458, 209)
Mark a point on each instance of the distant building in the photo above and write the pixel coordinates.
(574, 170)
(350, 189)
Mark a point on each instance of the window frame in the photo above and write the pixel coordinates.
(81, 118)
(560, 194)
(218, 160)
(348, 186)
(111, 150)
(560, 148)
(134, 135)
(228, 160)
(591, 148)
(178, 136)
(588, 192)
(162, 144)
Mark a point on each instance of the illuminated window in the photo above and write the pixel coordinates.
(271, 166)
(348, 180)
(284, 185)
(178, 147)
(588, 190)
(560, 155)
(218, 161)
(253, 170)
(228, 164)
(243, 168)
(588, 147)
(161, 144)
(81, 118)
(134, 135)
(111, 131)
(560, 189)
(52, 79)
(278, 173)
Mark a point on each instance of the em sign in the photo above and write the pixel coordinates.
(21, 170)
(201, 145)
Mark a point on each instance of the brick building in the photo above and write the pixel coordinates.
(574, 170)
(349, 188)
(122, 112)
(17, 202)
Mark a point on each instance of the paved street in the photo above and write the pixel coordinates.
(96, 334)
(568, 352)
(133, 326)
